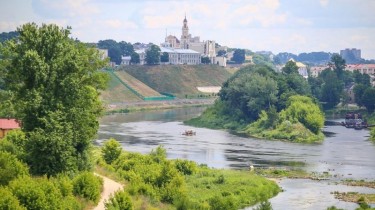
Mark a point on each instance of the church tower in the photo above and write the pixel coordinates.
(185, 37)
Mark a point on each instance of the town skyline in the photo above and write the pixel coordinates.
(269, 25)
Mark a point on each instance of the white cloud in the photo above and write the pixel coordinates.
(120, 24)
(10, 25)
(67, 8)
(324, 3)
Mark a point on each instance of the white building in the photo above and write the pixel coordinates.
(142, 56)
(187, 41)
(182, 56)
(125, 60)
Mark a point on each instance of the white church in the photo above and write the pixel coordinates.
(191, 45)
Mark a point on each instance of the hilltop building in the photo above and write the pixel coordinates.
(351, 55)
(187, 41)
(7, 125)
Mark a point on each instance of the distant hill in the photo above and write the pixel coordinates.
(312, 58)
(179, 80)
(8, 35)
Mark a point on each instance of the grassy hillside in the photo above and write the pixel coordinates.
(179, 80)
(137, 85)
(117, 92)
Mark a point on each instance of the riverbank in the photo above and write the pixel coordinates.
(127, 107)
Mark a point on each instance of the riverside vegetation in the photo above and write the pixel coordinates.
(259, 102)
(152, 181)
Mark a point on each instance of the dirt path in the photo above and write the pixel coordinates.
(109, 187)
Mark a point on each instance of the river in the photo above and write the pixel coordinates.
(346, 153)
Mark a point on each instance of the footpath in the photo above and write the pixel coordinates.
(109, 187)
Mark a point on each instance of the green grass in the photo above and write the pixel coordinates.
(179, 80)
(117, 92)
(244, 187)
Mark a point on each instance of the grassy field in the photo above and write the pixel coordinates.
(137, 85)
(179, 80)
(117, 92)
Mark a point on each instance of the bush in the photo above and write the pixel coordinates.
(88, 186)
(266, 205)
(223, 203)
(186, 167)
(10, 168)
(119, 201)
(111, 150)
(9, 201)
(36, 193)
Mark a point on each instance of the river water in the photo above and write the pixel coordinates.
(345, 153)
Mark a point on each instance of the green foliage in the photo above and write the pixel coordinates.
(331, 89)
(301, 121)
(338, 65)
(186, 167)
(265, 205)
(134, 58)
(333, 208)
(8, 201)
(239, 56)
(14, 142)
(54, 80)
(290, 68)
(10, 168)
(119, 201)
(88, 186)
(164, 57)
(116, 49)
(111, 150)
(359, 90)
(368, 99)
(153, 55)
(205, 60)
(40, 193)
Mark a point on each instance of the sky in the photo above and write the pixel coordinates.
(293, 26)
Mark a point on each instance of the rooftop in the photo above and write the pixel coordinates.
(9, 124)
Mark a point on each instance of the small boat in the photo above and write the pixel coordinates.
(189, 133)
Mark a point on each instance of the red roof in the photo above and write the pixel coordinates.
(9, 124)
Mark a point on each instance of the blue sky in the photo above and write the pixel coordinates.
(276, 25)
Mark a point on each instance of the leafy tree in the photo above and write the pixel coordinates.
(126, 48)
(9, 201)
(338, 65)
(266, 205)
(302, 109)
(111, 150)
(363, 79)
(114, 50)
(119, 201)
(368, 99)
(164, 57)
(331, 89)
(290, 67)
(10, 168)
(55, 83)
(88, 186)
(205, 60)
(221, 53)
(239, 56)
(153, 55)
(134, 58)
(359, 90)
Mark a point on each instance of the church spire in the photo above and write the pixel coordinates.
(185, 18)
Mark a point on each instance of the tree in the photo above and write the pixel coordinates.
(120, 200)
(55, 82)
(290, 67)
(359, 90)
(114, 50)
(331, 90)
(239, 56)
(10, 168)
(205, 60)
(8, 35)
(126, 48)
(221, 53)
(134, 58)
(338, 65)
(362, 78)
(164, 57)
(368, 99)
(111, 150)
(153, 55)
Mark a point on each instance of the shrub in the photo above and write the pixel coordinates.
(111, 150)
(266, 205)
(10, 168)
(159, 155)
(223, 203)
(186, 167)
(119, 201)
(88, 186)
(36, 193)
(9, 201)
